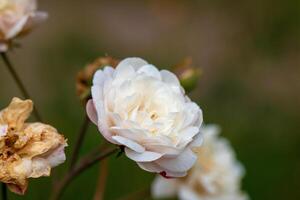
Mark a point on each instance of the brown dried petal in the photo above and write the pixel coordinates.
(16, 113)
(43, 139)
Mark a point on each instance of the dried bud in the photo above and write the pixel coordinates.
(84, 76)
(27, 150)
(188, 74)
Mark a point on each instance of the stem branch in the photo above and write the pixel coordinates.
(84, 164)
(79, 141)
(19, 82)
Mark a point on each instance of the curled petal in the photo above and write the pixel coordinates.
(150, 70)
(182, 163)
(91, 111)
(16, 113)
(129, 143)
(16, 29)
(136, 63)
(146, 156)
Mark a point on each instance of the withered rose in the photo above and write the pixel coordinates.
(27, 150)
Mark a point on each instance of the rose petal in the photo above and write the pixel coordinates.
(3, 130)
(146, 156)
(150, 70)
(16, 29)
(187, 194)
(150, 167)
(164, 188)
(188, 133)
(129, 143)
(170, 78)
(179, 164)
(99, 78)
(134, 62)
(57, 156)
(91, 111)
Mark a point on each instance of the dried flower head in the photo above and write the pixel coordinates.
(216, 175)
(27, 150)
(188, 74)
(17, 17)
(84, 77)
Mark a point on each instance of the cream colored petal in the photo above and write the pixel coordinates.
(57, 156)
(181, 163)
(164, 188)
(3, 130)
(134, 62)
(17, 28)
(146, 156)
(44, 138)
(40, 167)
(16, 113)
(91, 111)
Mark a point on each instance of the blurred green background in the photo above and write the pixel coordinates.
(248, 52)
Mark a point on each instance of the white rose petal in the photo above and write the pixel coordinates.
(216, 175)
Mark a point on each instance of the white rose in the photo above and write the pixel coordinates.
(17, 17)
(215, 176)
(146, 111)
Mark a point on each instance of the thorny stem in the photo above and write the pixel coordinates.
(79, 141)
(4, 192)
(19, 82)
(84, 164)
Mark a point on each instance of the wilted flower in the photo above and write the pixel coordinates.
(147, 112)
(17, 17)
(27, 150)
(84, 77)
(216, 175)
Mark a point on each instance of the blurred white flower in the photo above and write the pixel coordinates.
(17, 17)
(146, 111)
(27, 150)
(216, 176)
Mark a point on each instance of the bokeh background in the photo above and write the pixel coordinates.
(248, 52)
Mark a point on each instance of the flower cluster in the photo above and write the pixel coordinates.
(17, 17)
(215, 176)
(146, 111)
(137, 107)
(27, 150)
